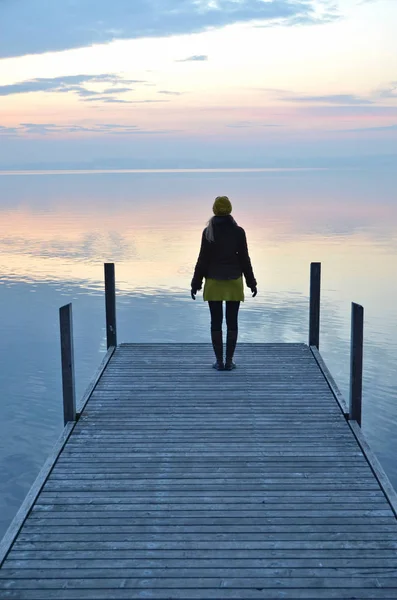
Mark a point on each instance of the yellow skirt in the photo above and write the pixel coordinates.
(224, 290)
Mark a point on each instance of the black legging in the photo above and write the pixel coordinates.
(216, 308)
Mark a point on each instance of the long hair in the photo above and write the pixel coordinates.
(209, 230)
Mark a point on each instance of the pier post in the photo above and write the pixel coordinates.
(67, 357)
(314, 317)
(110, 300)
(356, 362)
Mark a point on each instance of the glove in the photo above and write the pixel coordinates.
(193, 293)
(254, 291)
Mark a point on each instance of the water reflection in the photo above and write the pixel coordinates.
(56, 232)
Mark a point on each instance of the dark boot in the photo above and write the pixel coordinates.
(231, 341)
(217, 344)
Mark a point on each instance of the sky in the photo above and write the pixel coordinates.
(176, 82)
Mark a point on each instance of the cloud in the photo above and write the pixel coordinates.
(108, 100)
(111, 100)
(329, 17)
(332, 99)
(54, 26)
(55, 84)
(373, 98)
(8, 131)
(365, 111)
(76, 84)
(195, 58)
(318, 13)
(271, 90)
(109, 126)
(366, 129)
(80, 91)
(116, 90)
(71, 83)
(340, 99)
(169, 93)
(45, 129)
(390, 91)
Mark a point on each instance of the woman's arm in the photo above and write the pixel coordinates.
(245, 261)
(201, 268)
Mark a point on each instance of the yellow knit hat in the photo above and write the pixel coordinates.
(222, 206)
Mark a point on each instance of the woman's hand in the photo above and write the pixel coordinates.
(193, 293)
(254, 291)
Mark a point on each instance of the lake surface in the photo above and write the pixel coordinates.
(57, 230)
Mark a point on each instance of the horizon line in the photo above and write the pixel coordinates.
(10, 172)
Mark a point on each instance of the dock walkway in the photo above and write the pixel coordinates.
(180, 482)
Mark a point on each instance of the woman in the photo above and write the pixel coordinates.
(223, 259)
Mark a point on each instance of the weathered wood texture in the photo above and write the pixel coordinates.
(67, 360)
(182, 482)
(356, 362)
(110, 305)
(314, 307)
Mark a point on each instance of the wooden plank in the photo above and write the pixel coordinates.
(225, 497)
(42, 543)
(180, 438)
(207, 583)
(58, 541)
(227, 455)
(186, 572)
(107, 515)
(239, 518)
(192, 553)
(211, 484)
(267, 566)
(183, 476)
(84, 472)
(260, 425)
(122, 531)
(156, 409)
(217, 513)
(263, 426)
(290, 446)
(224, 459)
(177, 500)
(216, 593)
(182, 471)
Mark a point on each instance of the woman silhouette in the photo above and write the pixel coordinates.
(223, 259)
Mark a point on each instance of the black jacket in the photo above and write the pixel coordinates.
(225, 258)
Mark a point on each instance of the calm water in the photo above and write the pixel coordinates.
(56, 231)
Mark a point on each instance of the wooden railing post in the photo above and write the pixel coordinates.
(356, 362)
(67, 357)
(110, 300)
(314, 317)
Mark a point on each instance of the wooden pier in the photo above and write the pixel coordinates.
(180, 482)
(172, 481)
